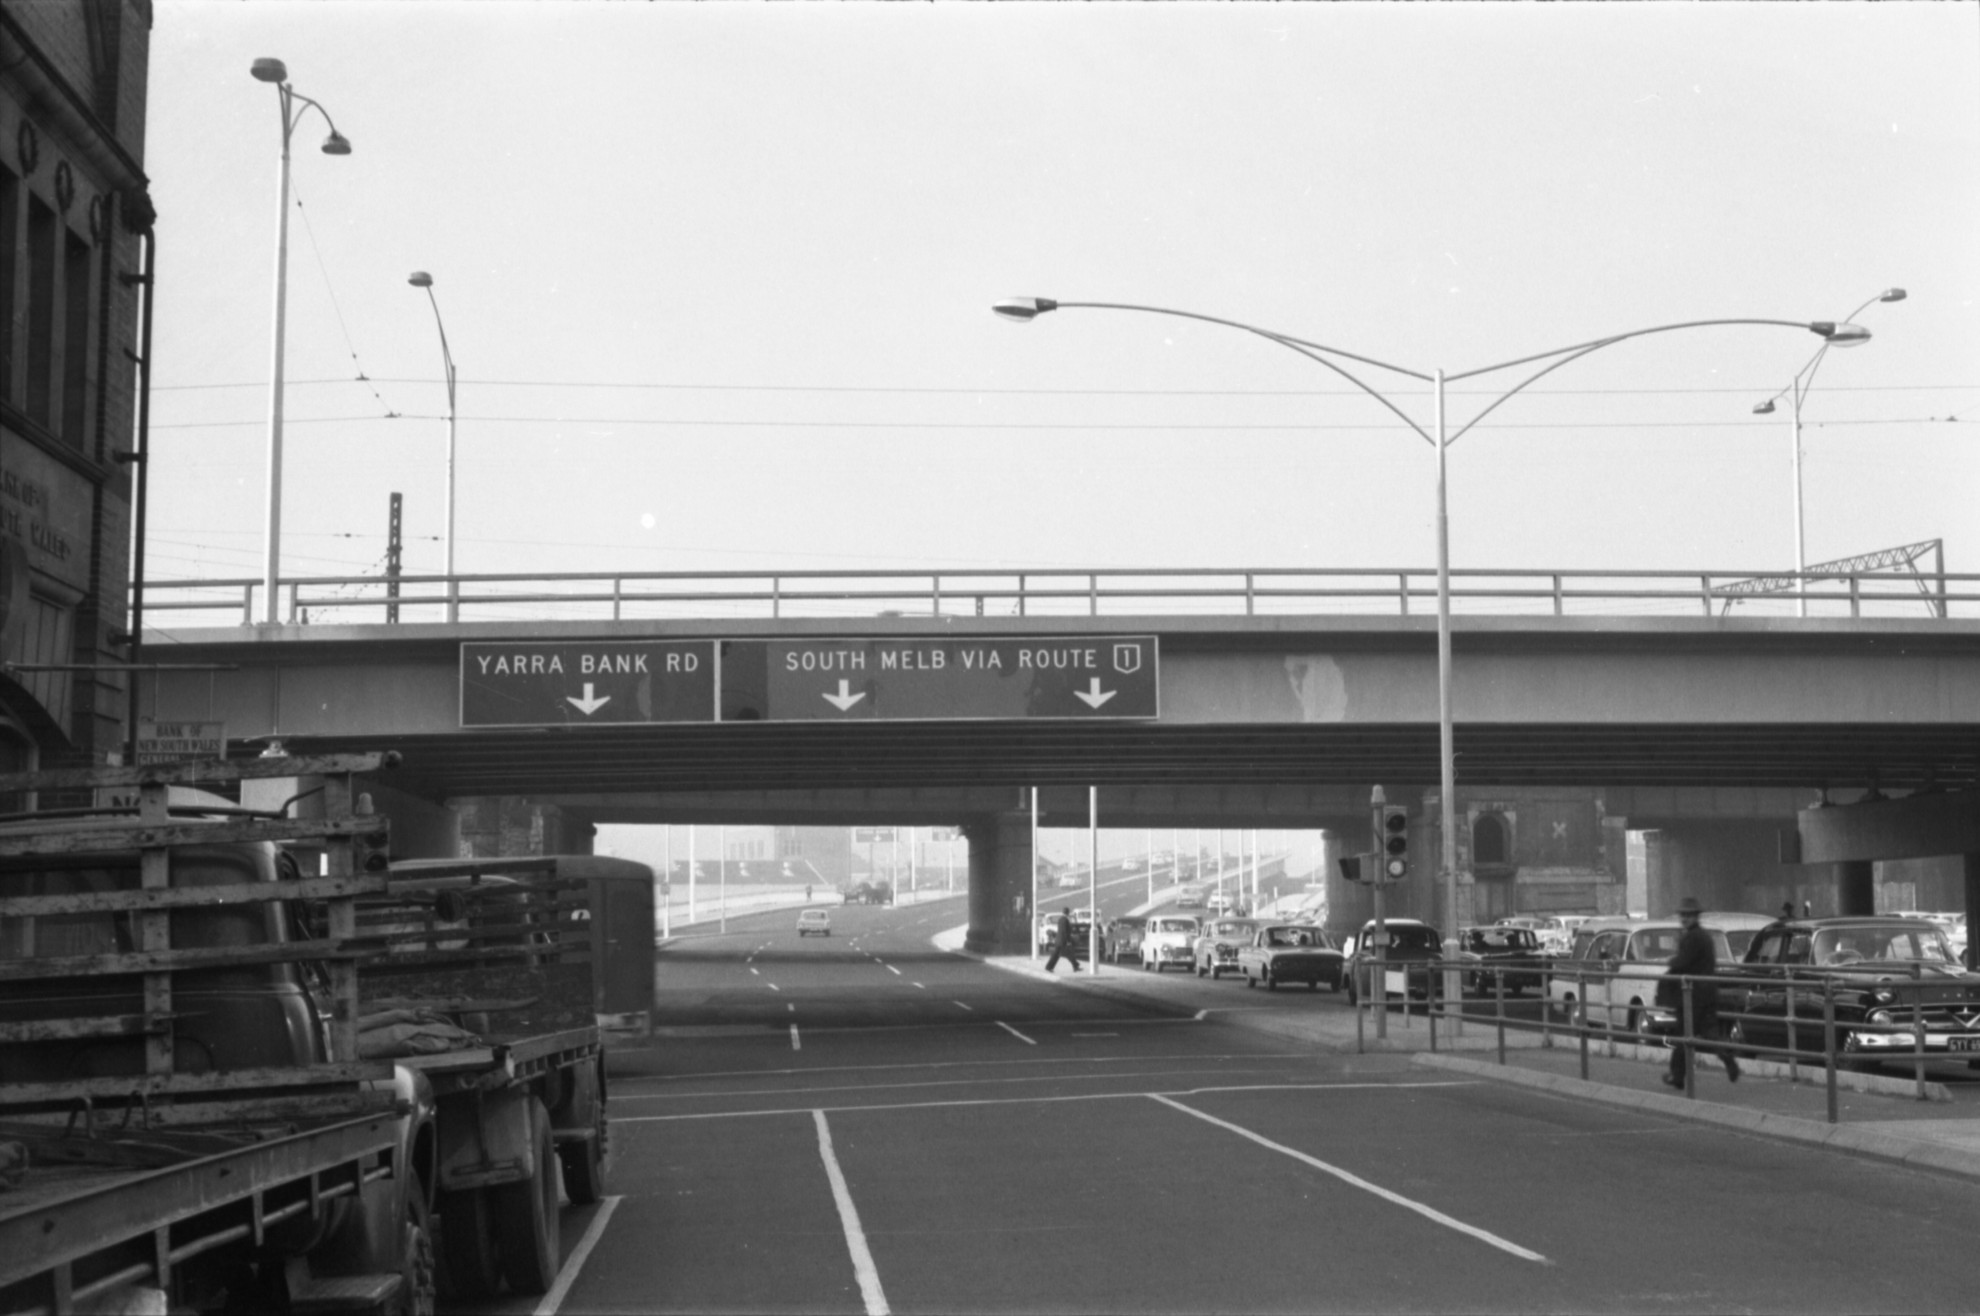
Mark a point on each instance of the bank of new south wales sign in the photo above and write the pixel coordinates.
(618, 682)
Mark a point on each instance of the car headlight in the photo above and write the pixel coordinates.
(1879, 1017)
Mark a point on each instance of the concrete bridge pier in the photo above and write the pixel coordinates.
(1000, 863)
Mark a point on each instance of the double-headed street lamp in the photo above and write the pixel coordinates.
(293, 105)
(421, 279)
(1796, 390)
(1832, 333)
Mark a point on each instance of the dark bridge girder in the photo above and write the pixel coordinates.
(813, 756)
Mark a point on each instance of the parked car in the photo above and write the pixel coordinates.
(1082, 930)
(1502, 952)
(870, 893)
(1883, 972)
(1168, 939)
(814, 920)
(1215, 950)
(1291, 952)
(1124, 936)
(1552, 932)
(1612, 982)
(1412, 943)
(1189, 898)
(1739, 928)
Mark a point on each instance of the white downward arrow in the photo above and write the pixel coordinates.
(845, 699)
(1093, 696)
(589, 705)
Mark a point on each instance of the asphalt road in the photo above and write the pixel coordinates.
(862, 1123)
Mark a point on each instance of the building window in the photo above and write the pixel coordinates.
(41, 310)
(75, 340)
(1490, 844)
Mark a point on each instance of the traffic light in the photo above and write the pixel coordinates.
(1395, 842)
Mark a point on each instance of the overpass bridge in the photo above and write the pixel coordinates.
(1264, 701)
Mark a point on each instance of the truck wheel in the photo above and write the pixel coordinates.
(526, 1216)
(467, 1245)
(584, 1162)
(416, 1261)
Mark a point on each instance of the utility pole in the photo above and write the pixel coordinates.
(392, 546)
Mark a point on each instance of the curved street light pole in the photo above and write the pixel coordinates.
(293, 106)
(1833, 334)
(1797, 389)
(421, 279)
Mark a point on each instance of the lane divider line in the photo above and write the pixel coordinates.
(1356, 1181)
(1015, 1033)
(970, 1008)
(773, 986)
(795, 1044)
(891, 969)
(862, 1258)
(575, 1261)
(870, 1107)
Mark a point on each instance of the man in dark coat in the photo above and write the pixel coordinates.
(1063, 943)
(1695, 955)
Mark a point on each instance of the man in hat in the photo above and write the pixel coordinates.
(1695, 955)
(1063, 944)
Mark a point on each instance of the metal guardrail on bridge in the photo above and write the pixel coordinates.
(1265, 591)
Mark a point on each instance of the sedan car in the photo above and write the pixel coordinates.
(814, 920)
(1214, 953)
(1612, 981)
(1884, 975)
(1168, 939)
(1502, 953)
(1291, 952)
(1412, 943)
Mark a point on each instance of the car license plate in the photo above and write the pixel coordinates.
(1963, 1043)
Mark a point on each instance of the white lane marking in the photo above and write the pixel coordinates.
(923, 986)
(758, 972)
(773, 986)
(795, 1044)
(1020, 1101)
(862, 1259)
(791, 1007)
(891, 969)
(1015, 1033)
(575, 1262)
(675, 1080)
(1354, 1180)
(970, 1008)
(1096, 1034)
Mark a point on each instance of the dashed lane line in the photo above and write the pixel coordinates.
(1015, 1033)
(1356, 1181)
(567, 1275)
(795, 1044)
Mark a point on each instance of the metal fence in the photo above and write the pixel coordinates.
(1812, 1018)
(1213, 592)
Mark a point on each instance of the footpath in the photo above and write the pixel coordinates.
(1878, 1115)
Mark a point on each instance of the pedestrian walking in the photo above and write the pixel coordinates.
(1695, 956)
(1063, 943)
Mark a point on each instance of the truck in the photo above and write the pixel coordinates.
(243, 1069)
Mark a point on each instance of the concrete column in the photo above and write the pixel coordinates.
(1000, 915)
(1856, 887)
(510, 826)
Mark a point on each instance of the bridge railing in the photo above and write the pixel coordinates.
(1265, 591)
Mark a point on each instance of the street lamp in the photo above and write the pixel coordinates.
(293, 106)
(1832, 333)
(421, 279)
(1797, 389)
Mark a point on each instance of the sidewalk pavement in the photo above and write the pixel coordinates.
(1878, 1115)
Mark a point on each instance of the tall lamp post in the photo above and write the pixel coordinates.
(1797, 389)
(1833, 333)
(293, 105)
(421, 279)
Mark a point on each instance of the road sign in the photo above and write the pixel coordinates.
(169, 742)
(1071, 678)
(587, 683)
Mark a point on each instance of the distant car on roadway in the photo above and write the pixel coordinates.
(1505, 953)
(1168, 939)
(1215, 950)
(1412, 944)
(814, 920)
(1291, 952)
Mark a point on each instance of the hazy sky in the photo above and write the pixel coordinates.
(717, 279)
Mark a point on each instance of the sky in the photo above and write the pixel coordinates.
(717, 281)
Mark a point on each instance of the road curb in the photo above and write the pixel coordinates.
(1912, 1152)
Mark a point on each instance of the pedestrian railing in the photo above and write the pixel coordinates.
(1262, 591)
(1900, 1021)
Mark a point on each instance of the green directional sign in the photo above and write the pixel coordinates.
(1077, 678)
(586, 682)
